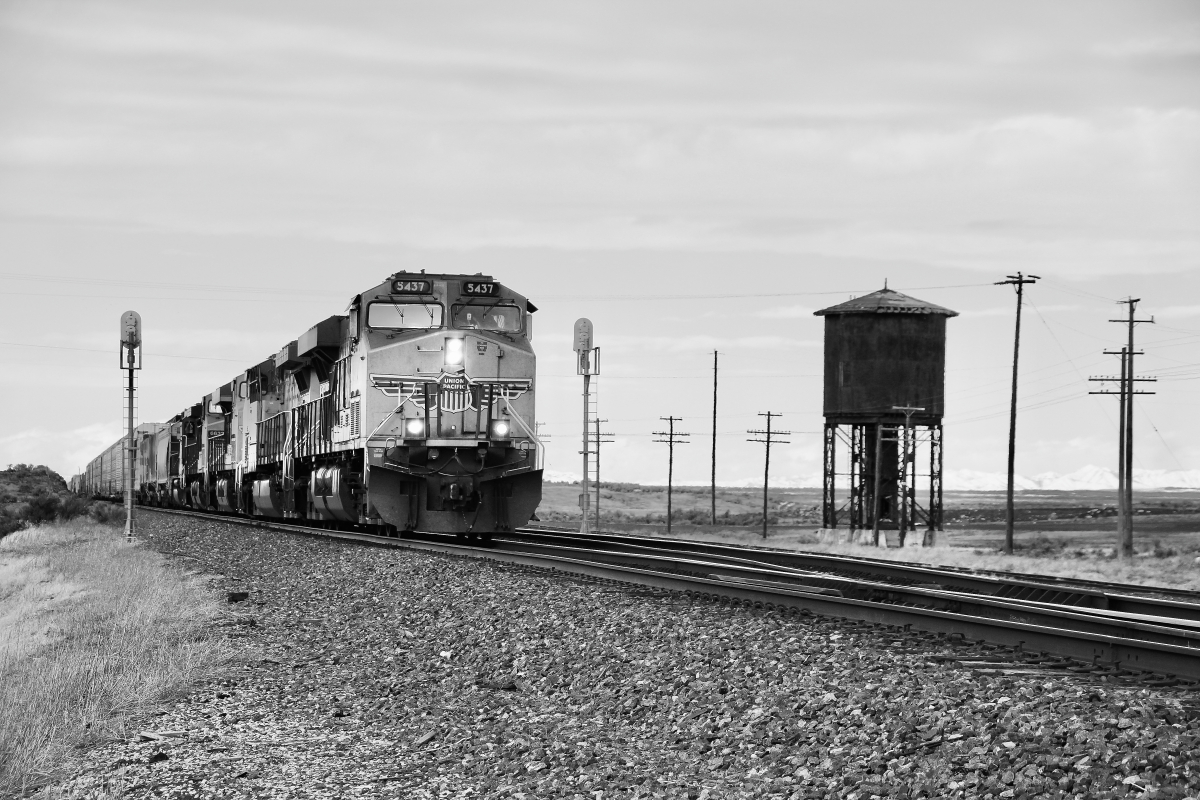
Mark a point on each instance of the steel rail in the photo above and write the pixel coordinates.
(1180, 632)
(1046, 589)
(1102, 648)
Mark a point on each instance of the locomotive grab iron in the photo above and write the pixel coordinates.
(413, 411)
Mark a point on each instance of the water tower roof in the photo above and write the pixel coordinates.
(886, 301)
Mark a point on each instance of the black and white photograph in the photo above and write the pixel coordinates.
(600, 400)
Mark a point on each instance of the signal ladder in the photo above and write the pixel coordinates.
(129, 387)
(596, 437)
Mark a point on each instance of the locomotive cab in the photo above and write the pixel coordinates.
(450, 380)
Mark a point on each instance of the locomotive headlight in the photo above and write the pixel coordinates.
(499, 429)
(415, 428)
(454, 352)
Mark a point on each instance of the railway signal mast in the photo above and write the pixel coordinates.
(672, 438)
(1125, 448)
(768, 439)
(131, 361)
(588, 364)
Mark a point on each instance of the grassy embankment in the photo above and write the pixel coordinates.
(92, 630)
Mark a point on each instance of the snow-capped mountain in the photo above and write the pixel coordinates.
(1089, 478)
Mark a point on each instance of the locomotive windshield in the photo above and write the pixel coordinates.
(493, 317)
(404, 316)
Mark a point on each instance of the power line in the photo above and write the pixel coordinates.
(109, 352)
(1075, 367)
(656, 297)
(153, 297)
(1160, 437)
(93, 281)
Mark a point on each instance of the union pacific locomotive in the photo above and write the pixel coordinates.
(414, 411)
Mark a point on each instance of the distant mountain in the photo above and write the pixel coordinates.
(1089, 478)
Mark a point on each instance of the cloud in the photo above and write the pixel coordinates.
(705, 342)
(64, 451)
(786, 312)
(1178, 311)
(1183, 45)
(1008, 311)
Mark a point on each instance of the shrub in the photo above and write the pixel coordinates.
(9, 523)
(107, 513)
(72, 507)
(41, 508)
(1163, 551)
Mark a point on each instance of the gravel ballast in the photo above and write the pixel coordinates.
(368, 672)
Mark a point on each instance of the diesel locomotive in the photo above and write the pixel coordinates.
(413, 411)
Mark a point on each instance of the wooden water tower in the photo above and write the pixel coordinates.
(885, 379)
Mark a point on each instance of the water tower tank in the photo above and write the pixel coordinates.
(883, 350)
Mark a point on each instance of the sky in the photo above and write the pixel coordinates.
(691, 176)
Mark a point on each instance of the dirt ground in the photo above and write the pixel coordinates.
(1070, 534)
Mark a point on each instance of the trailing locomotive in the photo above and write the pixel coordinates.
(414, 411)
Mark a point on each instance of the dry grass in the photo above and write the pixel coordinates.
(92, 630)
(1175, 571)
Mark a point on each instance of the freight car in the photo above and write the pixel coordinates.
(413, 411)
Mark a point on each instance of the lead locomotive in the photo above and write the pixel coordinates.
(413, 411)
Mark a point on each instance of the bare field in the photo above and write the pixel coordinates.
(1069, 534)
(92, 629)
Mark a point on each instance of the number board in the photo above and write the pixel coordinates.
(410, 287)
(480, 289)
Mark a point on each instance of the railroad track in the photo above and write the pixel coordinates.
(1149, 601)
(1108, 640)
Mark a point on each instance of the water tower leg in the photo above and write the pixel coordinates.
(857, 492)
(828, 489)
(877, 468)
(935, 485)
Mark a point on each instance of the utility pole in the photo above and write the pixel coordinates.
(673, 437)
(1019, 281)
(768, 439)
(598, 437)
(131, 360)
(588, 365)
(1125, 449)
(714, 442)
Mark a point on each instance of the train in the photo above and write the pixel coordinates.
(412, 411)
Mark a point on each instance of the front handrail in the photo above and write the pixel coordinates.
(539, 448)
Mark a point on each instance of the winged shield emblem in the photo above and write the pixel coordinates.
(454, 392)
